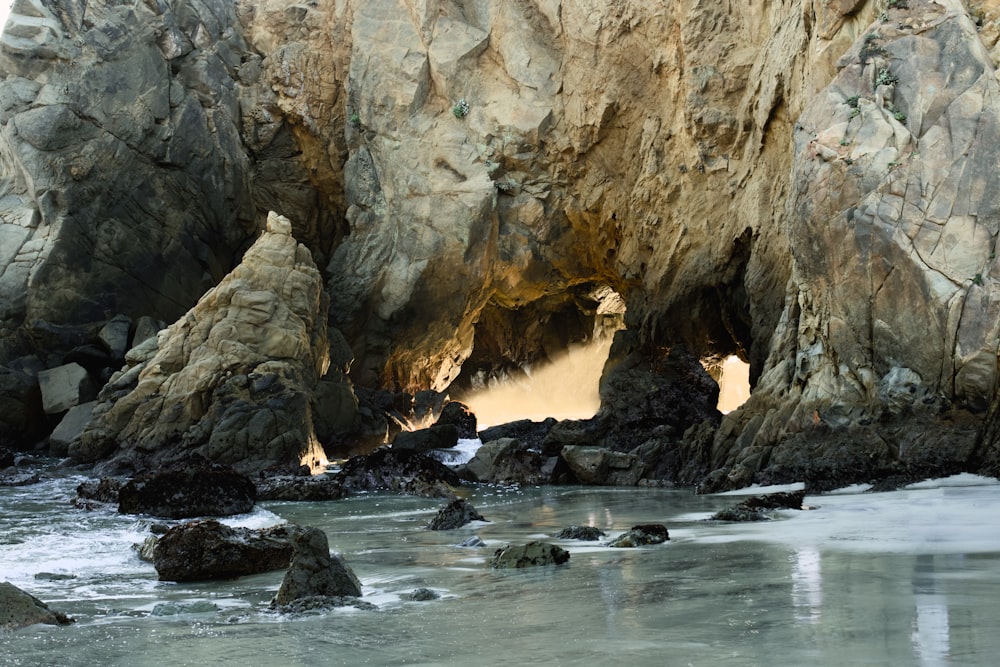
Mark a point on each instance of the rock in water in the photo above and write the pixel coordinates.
(587, 533)
(188, 492)
(19, 609)
(315, 572)
(399, 471)
(529, 555)
(439, 436)
(641, 535)
(230, 380)
(455, 514)
(207, 550)
(752, 509)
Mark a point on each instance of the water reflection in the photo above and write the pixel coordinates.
(931, 635)
(807, 585)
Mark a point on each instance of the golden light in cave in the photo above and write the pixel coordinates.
(734, 385)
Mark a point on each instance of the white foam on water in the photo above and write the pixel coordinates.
(458, 455)
(756, 489)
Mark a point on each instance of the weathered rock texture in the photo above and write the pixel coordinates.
(807, 184)
(207, 550)
(19, 609)
(231, 380)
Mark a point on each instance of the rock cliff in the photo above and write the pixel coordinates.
(806, 183)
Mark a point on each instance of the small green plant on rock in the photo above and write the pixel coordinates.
(898, 4)
(869, 49)
(355, 120)
(461, 108)
(978, 279)
(885, 77)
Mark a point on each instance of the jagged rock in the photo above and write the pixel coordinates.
(588, 533)
(198, 490)
(641, 535)
(461, 416)
(314, 572)
(753, 508)
(399, 472)
(439, 436)
(529, 555)
(19, 609)
(455, 514)
(509, 461)
(115, 335)
(104, 490)
(230, 380)
(205, 550)
(313, 488)
(597, 465)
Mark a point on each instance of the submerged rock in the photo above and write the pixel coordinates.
(315, 572)
(455, 514)
(588, 533)
(641, 535)
(207, 550)
(19, 609)
(199, 490)
(753, 508)
(531, 554)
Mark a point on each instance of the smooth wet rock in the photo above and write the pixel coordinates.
(641, 535)
(208, 550)
(19, 609)
(439, 436)
(315, 572)
(455, 514)
(587, 533)
(199, 490)
(754, 508)
(399, 472)
(461, 416)
(532, 554)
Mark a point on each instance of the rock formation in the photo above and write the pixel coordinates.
(230, 381)
(19, 609)
(808, 185)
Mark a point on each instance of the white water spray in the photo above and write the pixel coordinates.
(4, 12)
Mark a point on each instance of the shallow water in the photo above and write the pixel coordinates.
(903, 578)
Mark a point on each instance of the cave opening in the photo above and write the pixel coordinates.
(543, 359)
(734, 383)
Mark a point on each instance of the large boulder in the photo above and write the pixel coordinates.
(600, 466)
(19, 609)
(197, 490)
(439, 436)
(399, 471)
(232, 379)
(461, 416)
(314, 572)
(206, 550)
(509, 461)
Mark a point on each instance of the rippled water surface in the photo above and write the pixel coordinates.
(909, 577)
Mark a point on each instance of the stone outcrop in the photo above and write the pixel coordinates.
(509, 461)
(455, 514)
(641, 535)
(532, 554)
(754, 508)
(314, 572)
(207, 550)
(586, 533)
(19, 609)
(809, 185)
(230, 381)
(399, 471)
(192, 491)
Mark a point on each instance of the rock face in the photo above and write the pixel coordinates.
(231, 380)
(188, 492)
(206, 550)
(808, 185)
(315, 572)
(19, 609)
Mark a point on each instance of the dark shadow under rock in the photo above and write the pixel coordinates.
(455, 514)
(587, 533)
(198, 490)
(315, 572)
(297, 488)
(532, 554)
(753, 508)
(641, 535)
(399, 472)
(19, 609)
(208, 550)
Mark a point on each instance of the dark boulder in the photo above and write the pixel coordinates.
(201, 490)
(314, 572)
(754, 508)
(440, 436)
(641, 535)
(529, 555)
(6, 458)
(19, 609)
(529, 432)
(455, 514)
(461, 417)
(588, 533)
(298, 488)
(509, 461)
(399, 471)
(421, 595)
(208, 550)
(104, 490)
